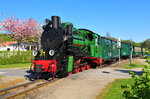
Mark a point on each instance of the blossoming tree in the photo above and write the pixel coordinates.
(22, 30)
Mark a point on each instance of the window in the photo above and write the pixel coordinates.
(90, 36)
(122, 47)
(8, 49)
(99, 40)
(107, 43)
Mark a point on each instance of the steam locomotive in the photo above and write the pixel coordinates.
(66, 50)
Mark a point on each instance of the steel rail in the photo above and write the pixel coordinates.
(23, 93)
(17, 86)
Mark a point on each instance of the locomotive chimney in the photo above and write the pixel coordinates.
(55, 22)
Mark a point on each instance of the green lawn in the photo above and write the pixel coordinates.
(2, 76)
(135, 64)
(19, 65)
(114, 90)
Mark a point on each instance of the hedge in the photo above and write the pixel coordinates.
(14, 57)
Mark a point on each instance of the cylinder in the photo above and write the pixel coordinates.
(55, 22)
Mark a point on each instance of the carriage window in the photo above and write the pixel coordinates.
(99, 41)
(107, 43)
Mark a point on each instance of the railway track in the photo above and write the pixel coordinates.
(23, 90)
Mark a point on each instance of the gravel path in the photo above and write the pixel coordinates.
(84, 85)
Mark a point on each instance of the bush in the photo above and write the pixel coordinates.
(141, 87)
(13, 57)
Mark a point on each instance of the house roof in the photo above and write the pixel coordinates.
(8, 43)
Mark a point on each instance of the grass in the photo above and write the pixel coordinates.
(19, 65)
(135, 64)
(2, 76)
(9, 83)
(114, 90)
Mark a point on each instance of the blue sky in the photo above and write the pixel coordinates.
(128, 19)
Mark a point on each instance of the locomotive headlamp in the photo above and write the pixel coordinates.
(35, 53)
(51, 52)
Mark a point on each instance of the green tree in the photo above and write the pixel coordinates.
(132, 42)
(5, 37)
(141, 87)
(146, 43)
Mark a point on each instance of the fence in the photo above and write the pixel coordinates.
(14, 57)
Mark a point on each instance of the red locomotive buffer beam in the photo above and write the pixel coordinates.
(41, 66)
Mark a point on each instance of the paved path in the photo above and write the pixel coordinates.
(84, 85)
(13, 72)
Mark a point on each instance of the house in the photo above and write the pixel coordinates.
(14, 46)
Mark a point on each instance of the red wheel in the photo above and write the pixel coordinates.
(82, 68)
(69, 73)
(88, 66)
(76, 70)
